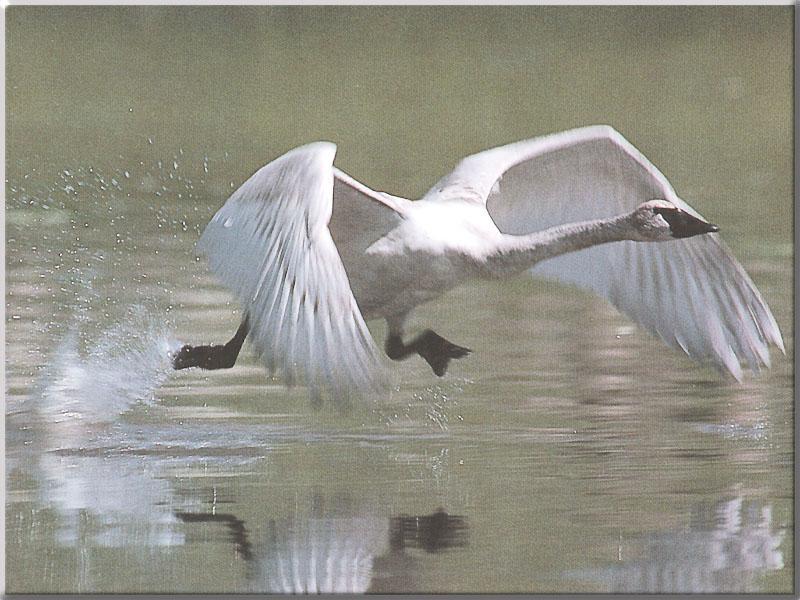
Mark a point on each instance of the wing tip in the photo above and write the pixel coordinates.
(738, 375)
(323, 150)
(602, 129)
(776, 338)
(314, 157)
(596, 131)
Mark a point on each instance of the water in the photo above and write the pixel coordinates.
(569, 452)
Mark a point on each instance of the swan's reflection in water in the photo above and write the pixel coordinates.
(352, 554)
(107, 495)
(320, 555)
(111, 484)
(332, 553)
(393, 571)
(237, 533)
(727, 547)
(433, 533)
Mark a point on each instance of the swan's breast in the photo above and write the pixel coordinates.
(437, 247)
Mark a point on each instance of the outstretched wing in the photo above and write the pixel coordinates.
(270, 244)
(692, 293)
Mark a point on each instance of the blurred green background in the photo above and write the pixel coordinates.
(407, 91)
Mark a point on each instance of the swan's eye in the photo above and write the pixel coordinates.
(662, 210)
(672, 216)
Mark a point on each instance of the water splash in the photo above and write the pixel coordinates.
(124, 366)
(434, 405)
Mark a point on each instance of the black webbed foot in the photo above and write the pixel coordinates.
(212, 357)
(205, 357)
(437, 351)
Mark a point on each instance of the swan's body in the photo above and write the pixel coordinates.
(434, 248)
(312, 253)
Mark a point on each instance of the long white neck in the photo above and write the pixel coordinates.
(517, 253)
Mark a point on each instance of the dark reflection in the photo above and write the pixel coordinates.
(235, 528)
(393, 571)
(352, 554)
(432, 533)
(726, 548)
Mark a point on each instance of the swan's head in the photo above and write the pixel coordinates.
(660, 220)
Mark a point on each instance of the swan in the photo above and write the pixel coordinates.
(312, 255)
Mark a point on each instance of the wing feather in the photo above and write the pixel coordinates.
(691, 293)
(270, 244)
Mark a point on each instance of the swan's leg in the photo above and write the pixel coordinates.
(436, 350)
(212, 357)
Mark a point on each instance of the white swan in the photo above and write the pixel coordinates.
(312, 253)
